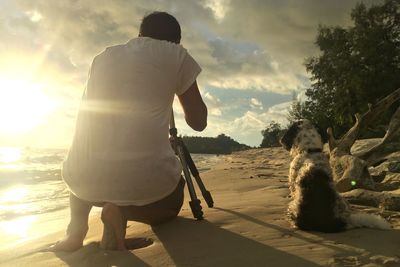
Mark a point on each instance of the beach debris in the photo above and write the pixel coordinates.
(351, 171)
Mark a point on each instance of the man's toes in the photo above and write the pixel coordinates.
(66, 245)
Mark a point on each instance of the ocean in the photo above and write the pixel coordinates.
(31, 183)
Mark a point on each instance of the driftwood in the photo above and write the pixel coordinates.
(377, 152)
(351, 171)
(383, 200)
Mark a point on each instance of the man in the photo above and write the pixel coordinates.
(121, 157)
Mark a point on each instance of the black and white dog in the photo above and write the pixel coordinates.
(315, 204)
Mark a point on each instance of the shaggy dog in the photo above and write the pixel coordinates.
(316, 205)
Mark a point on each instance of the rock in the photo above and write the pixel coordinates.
(394, 166)
(386, 261)
(378, 177)
(390, 202)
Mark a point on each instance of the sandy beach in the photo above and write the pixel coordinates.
(247, 227)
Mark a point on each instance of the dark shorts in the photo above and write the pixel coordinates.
(158, 212)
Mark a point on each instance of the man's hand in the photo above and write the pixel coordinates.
(194, 108)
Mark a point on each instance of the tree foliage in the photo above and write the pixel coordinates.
(222, 144)
(357, 65)
(296, 111)
(271, 135)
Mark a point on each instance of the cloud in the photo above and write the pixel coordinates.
(236, 56)
(243, 65)
(34, 16)
(245, 128)
(248, 127)
(286, 31)
(255, 103)
(252, 120)
(213, 104)
(218, 7)
(240, 44)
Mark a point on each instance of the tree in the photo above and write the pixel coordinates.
(357, 66)
(271, 135)
(222, 144)
(296, 111)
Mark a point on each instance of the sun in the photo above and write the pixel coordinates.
(23, 106)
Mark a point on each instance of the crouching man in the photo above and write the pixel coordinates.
(121, 157)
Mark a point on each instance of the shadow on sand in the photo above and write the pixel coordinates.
(358, 242)
(91, 255)
(201, 243)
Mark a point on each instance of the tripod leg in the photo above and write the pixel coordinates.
(206, 194)
(195, 202)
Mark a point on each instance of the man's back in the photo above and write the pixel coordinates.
(122, 128)
(134, 86)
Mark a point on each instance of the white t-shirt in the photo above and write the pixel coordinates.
(121, 151)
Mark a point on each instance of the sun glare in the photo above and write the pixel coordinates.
(23, 106)
(14, 194)
(19, 227)
(9, 154)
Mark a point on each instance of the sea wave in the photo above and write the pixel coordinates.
(31, 184)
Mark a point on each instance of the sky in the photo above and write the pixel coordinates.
(252, 54)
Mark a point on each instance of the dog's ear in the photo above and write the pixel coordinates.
(289, 136)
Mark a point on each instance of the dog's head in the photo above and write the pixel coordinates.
(302, 135)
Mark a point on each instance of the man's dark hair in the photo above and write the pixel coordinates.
(161, 26)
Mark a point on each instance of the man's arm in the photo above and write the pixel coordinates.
(194, 108)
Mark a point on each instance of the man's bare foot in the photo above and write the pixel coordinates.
(112, 218)
(67, 244)
(73, 239)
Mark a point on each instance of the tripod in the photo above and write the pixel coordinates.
(189, 167)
